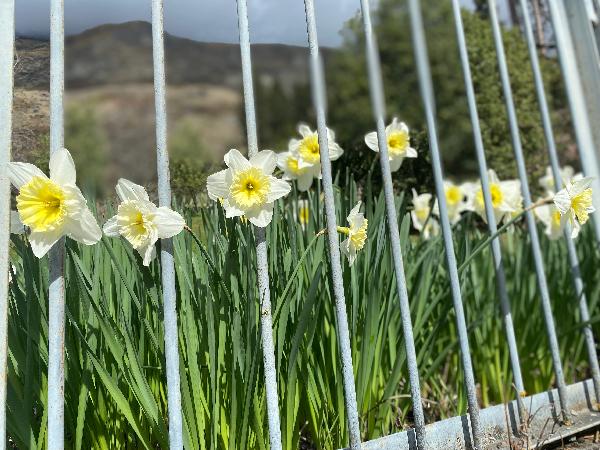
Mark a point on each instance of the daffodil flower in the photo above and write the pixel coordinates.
(574, 203)
(506, 198)
(288, 163)
(550, 217)
(248, 188)
(140, 221)
(16, 226)
(421, 210)
(52, 207)
(307, 149)
(303, 213)
(398, 143)
(456, 201)
(356, 232)
(547, 181)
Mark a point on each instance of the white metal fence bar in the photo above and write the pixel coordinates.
(426, 86)
(552, 154)
(266, 320)
(531, 225)
(166, 253)
(489, 209)
(332, 237)
(576, 96)
(7, 45)
(378, 105)
(56, 294)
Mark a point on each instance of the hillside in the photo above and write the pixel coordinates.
(108, 73)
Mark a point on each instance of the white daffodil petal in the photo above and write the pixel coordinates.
(265, 160)
(236, 161)
(304, 130)
(85, 229)
(217, 185)
(395, 163)
(230, 210)
(111, 227)
(16, 226)
(261, 217)
(353, 213)
(411, 153)
(62, 167)
(371, 141)
(20, 173)
(335, 151)
(128, 190)
(42, 242)
(305, 181)
(148, 253)
(279, 188)
(168, 222)
(580, 185)
(562, 200)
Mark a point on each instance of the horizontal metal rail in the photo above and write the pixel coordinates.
(500, 425)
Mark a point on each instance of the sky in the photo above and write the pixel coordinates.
(280, 21)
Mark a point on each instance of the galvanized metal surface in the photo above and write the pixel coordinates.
(489, 207)
(266, 320)
(576, 97)
(56, 294)
(500, 422)
(337, 283)
(588, 61)
(425, 84)
(558, 183)
(530, 219)
(7, 39)
(169, 294)
(378, 104)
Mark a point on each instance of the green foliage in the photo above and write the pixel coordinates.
(88, 145)
(350, 113)
(190, 163)
(115, 388)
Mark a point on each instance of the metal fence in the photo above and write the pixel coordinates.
(572, 408)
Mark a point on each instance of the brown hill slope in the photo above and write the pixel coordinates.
(108, 73)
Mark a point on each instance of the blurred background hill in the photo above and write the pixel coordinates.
(110, 104)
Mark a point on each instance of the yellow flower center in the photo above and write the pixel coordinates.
(303, 215)
(250, 188)
(359, 237)
(41, 204)
(556, 218)
(398, 142)
(134, 225)
(496, 193)
(309, 149)
(580, 204)
(422, 213)
(292, 166)
(453, 195)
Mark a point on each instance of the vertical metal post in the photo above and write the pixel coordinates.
(531, 226)
(576, 96)
(266, 320)
(572, 251)
(56, 295)
(378, 104)
(166, 253)
(7, 44)
(588, 61)
(343, 332)
(489, 209)
(426, 86)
